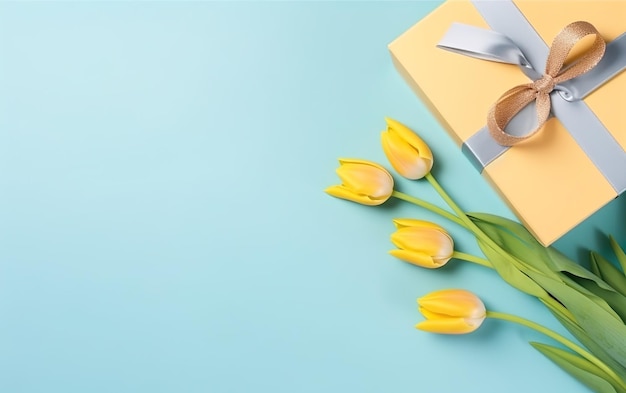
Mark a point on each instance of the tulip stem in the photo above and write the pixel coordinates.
(472, 258)
(557, 337)
(472, 227)
(468, 223)
(429, 206)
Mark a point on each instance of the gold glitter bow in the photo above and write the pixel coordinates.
(515, 99)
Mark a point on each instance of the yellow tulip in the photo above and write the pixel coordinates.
(451, 311)
(407, 152)
(421, 243)
(363, 182)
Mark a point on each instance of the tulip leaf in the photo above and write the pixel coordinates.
(510, 273)
(593, 266)
(580, 368)
(539, 254)
(516, 239)
(589, 312)
(606, 329)
(621, 256)
(615, 300)
(560, 313)
(591, 295)
(513, 227)
(566, 265)
(608, 272)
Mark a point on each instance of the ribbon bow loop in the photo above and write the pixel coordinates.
(515, 99)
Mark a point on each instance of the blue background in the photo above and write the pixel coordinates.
(163, 225)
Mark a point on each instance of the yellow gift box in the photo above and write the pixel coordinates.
(549, 181)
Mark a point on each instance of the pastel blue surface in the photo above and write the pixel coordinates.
(163, 226)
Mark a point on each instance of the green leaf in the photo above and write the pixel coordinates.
(593, 266)
(566, 265)
(580, 368)
(615, 300)
(513, 227)
(516, 240)
(591, 295)
(510, 273)
(560, 313)
(608, 272)
(621, 256)
(606, 329)
(590, 312)
(546, 261)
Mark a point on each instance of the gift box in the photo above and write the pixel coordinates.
(576, 164)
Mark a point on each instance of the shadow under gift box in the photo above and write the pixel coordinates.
(548, 181)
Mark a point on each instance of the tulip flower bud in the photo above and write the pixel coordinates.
(363, 182)
(451, 311)
(407, 152)
(421, 243)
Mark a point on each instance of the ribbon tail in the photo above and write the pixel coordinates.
(482, 44)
